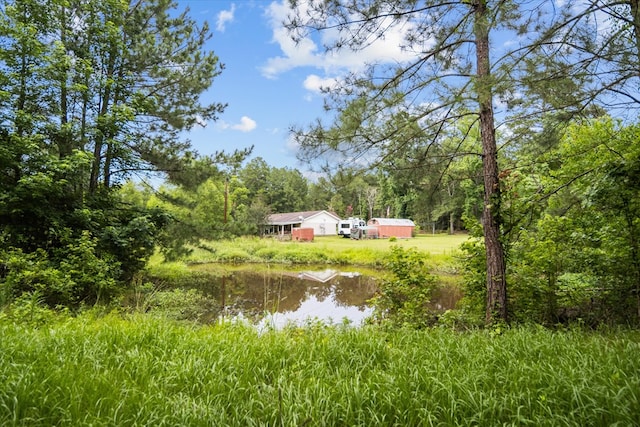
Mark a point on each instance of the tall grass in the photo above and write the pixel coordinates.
(148, 371)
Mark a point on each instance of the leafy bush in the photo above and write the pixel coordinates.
(403, 299)
(33, 273)
(473, 260)
(460, 320)
(93, 278)
(30, 309)
(81, 276)
(267, 254)
(71, 248)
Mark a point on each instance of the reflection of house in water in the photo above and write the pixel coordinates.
(293, 295)
(325, 275)
(296, 295)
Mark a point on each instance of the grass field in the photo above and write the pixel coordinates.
(438, 248)
(140, 371)
(436, 244)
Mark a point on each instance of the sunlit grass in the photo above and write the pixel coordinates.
(146, 371)
(439, 248)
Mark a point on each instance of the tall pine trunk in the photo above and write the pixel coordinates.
(103, 128)
(496, 308)
(635, 21)
(64, 140)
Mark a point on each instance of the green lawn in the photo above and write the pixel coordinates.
(435, 244)
(437, 248)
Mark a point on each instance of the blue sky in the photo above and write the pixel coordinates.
(262, 102)
(269, 83)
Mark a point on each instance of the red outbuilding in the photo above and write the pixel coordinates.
(393, 227)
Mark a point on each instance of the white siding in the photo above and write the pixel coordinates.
(322, 224)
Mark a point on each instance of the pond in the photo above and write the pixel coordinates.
(281, 295)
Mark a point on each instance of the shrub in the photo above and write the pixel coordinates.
(33, 273)
(80, 277)
(30, 309)
(93, 277)
(460, 320)
(403, 299)
(267, 254)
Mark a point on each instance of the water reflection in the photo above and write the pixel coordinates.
(288, 296)
(278, 296)
(328, 310)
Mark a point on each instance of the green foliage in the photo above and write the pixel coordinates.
(82, 107)
(75, 275)
(281, 189)
(39, 202)
(571, 230)
(143, 370)
(473, 261)
(461, 320)
(131, 236)
(233, 255)
(33, 273)
(93, 278)
(30, 309)
(574, 255)
(403, 299)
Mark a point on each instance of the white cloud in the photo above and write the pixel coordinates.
(316, 83)
(201, 121)
(306, 53)
(224, 17)
(246, 124)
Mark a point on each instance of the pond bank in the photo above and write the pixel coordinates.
(265, 276)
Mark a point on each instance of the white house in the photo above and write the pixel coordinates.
(324, 223)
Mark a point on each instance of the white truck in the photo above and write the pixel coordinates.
(346, 225)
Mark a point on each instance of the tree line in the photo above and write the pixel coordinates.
(91, 94)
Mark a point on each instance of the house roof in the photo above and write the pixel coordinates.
(393, 221)
(296, 217)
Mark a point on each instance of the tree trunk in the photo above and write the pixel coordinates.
(64, 138)
(102, 128)
(452, 228)
(635, 21)
(496, 308)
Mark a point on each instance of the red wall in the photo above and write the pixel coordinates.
(302, 234)
(394, 231)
